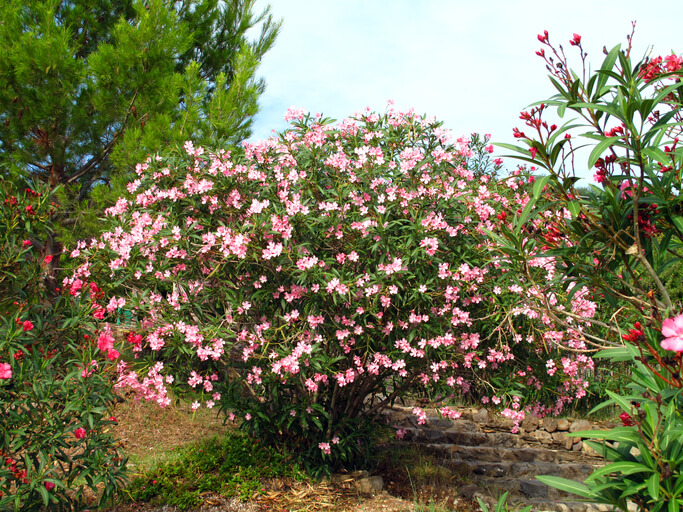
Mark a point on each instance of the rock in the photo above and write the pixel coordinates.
(533, 489)
(460, 468)
(577, 446)
(439, 423)
(563, 424)
(563, 440)
(580, 425)
(504, 423)
(370, 485)
(530, 422)
(432, 435)
(550, 424)
(543, 437)
(587, 450)
(464, 426)
(481, 416)
(340, 478)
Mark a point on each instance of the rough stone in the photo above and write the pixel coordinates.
(481, 416)
(464, 426)
(577, 447)
(370, 485)
(550, 424)
(530, 422)
(543, 437)
(432, 435)
(588, 450)
(504, 423)
(563, 424)
(533, 489)
(439, 423)
(563, 440)
(580, 425)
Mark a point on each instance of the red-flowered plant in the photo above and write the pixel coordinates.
(619, 241)
(55, 385)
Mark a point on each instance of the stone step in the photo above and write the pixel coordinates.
(520, 490)
(542, 505)
(481, 447)
(578, 472)
(462, 436)
(487, 453)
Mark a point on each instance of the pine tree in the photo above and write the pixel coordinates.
(89, 86)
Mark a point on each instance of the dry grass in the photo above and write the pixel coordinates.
(150, 434)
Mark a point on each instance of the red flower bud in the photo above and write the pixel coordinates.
(626, 419)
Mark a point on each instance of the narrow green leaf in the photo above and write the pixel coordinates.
(653, 485)
(574, 208)
(566, 485)
(623, 467)
(599, 149)
(678, 222)
(539, 185)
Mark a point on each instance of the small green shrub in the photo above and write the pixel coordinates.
(233, 466)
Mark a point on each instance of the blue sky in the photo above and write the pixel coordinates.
(472, 64)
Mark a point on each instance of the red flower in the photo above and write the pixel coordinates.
(626, 419)
(49, 486)
(576, 41)
(79, 433)
(26, 243)
(27, 325)
(543, 37)
(48, 258)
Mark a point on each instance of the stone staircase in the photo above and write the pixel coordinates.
(481, 448)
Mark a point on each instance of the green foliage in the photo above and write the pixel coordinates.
(624, 242)
(501, 505)
(90, 88)
(89, 84)
(55, 434)
(234, 465)
(646, 454)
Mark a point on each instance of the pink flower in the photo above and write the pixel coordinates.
(576, 41)
(672, 328)
(105, 342)
(27, 325)
(325, 447)
(5, 371)
(79, 433)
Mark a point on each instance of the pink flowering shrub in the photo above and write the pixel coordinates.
(306, 282)
(56, 386)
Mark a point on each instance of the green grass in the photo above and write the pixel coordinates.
(234, 465)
